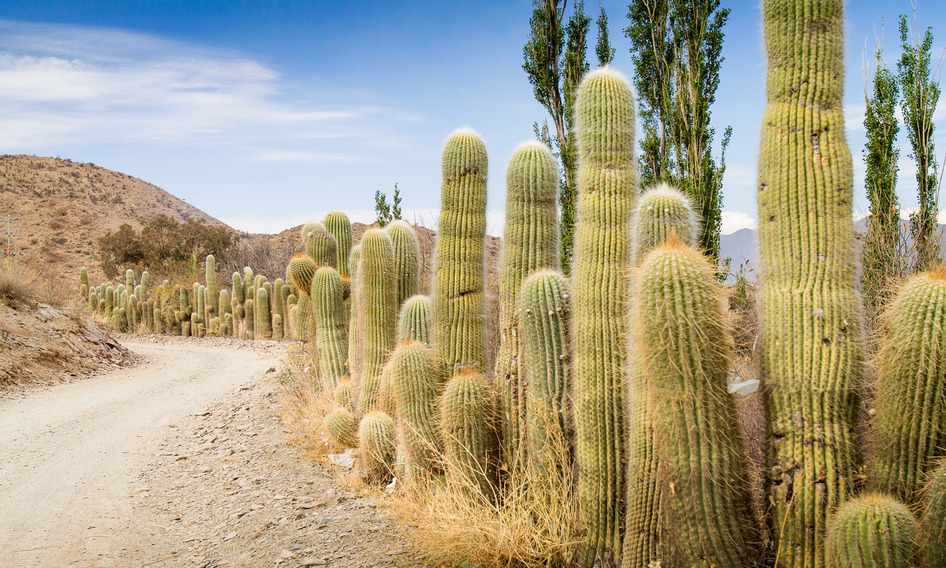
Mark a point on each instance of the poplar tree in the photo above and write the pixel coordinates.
(555, 59)
(881, 260)
(676, 47)
(920, 95)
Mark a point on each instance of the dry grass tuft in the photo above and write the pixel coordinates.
(304, 408)
(528, 528)
(22, 285)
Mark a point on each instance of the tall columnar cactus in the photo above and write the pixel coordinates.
(459, 301)
(301, 271)
(129, 280)
(322, 248)
(660, 212)
(376, 297)
(279, 306)
(910, 423)
(933, 518)
(810, 339)
(468, 420)
(210, 274)
(683, 342)
(355, 341)
(337, 223)
(83, 282)
(530, 242)
(332, 327)
(406, 259)
(378, 445)
(249, 319)
(871, 531)
(236, 292)
(543, 322)
(414, 320)
(262, 320)
(607, 183)
(415, 378)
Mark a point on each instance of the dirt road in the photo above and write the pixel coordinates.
(163, 465)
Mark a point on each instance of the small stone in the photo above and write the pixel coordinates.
(312, 561)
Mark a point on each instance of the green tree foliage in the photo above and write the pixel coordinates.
(882, 263)
(163, 246)
(387, 212)
(555, 59)
(920, 95)
(676, 48)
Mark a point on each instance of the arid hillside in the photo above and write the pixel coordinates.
(65, 206)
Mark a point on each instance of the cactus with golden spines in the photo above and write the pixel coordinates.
(933, 518)
(376, 301)
(331, 326)
(355, 342)
(322, 247)
(872, 531)
(909, 428)
(607, 190)
(458, 297)
(468, 423)
(661, 211)
(543, 307)
(378, 445)
(810, 340)
(342, 428)
(415, 384)
(406, 259)
(683, 342)
(345, 394)
(414, 320)
(530, 242)
(337, 223)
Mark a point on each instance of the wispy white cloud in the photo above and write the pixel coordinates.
(733, 221)
(65, 84)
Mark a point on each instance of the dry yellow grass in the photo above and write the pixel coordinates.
(22, 285)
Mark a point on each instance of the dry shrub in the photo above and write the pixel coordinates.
(23, 285)
(535, 524)
(304, 407)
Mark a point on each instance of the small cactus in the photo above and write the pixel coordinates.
(344, 394)
(414, 320)
(301, 270)
(341, 426)
(468, 416)
(661, 211)
(872, 531)
(332, 327)
(377, 445)
(322, 247)
(415, 381)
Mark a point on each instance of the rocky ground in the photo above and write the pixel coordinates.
(216, 486)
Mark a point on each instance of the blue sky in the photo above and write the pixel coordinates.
(265, 114)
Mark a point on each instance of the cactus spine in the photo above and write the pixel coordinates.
(378, 445)
(911, 383)
(661, 211)
(459, 302)
(810, 340)
(406, 258)
(607, 182)
(337, 223)
(414, 320)
(415, 381)
(377, 290)
(468, 416)
(331, 336)
(683, 344)
(530, 242)
(872, 531)
(543, 322)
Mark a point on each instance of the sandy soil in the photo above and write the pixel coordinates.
(179, 461)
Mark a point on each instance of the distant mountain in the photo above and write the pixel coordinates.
(742, 247)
